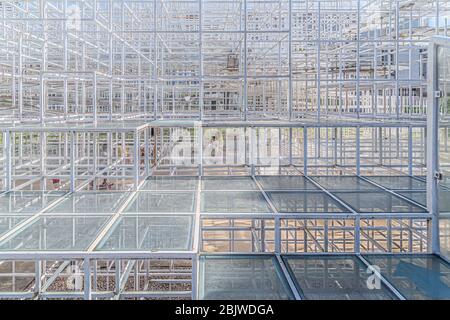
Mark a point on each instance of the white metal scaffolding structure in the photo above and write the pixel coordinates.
(141, 140)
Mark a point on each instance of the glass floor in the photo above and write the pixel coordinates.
(242, 277)
(324, 277)
(149, 233)
(416, 277)
(161, 214)
(27, 202)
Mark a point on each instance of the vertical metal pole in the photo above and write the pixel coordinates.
(87, 279)
(8, 161)
(410, 150)
(136, 159)
(277, 235)
(358, 150)
(146, 154)
(194, 285)
(433, 148)
(200, 48)
(72, 161)
(37, 277)
(245, 62)
(94, 97)
(305, 151)
(318, 60)
(290, 64)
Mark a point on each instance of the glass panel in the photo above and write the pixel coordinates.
(286, 183)
(344, 183)
(55, 233)
(373, 202)
(9, 222)
(399, 182)
(444, 235)
(176, 202)
(26, 201)
(443, 68)
(154, 233)
(306, 202)
(228, 183)
(421, 198)
(241, 278)
(415, 277)
(157, 183)
(234, 202)
(334, 278)
(108, 202)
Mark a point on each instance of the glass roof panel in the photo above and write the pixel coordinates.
(242, 278)
(229, 183)
(421, 198)
(377, 202)
(92, 202)
(27, 202)
(174, 202)
(234, 202)
(416, 277)
(55, 233)
(305, 202)
(164, 183)
(344, 183)
(9, 222)
(286, 183)
(333, 278)
(149, 233)
(399, 182)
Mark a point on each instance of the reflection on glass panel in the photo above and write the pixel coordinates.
(55, 233)
(242, 278)
(416, 277)
(286, 183)
(177, 202)
(233, 202)
(307, 202)
(154, 233)
(373, 202)
(105, 202)
(334, 278)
